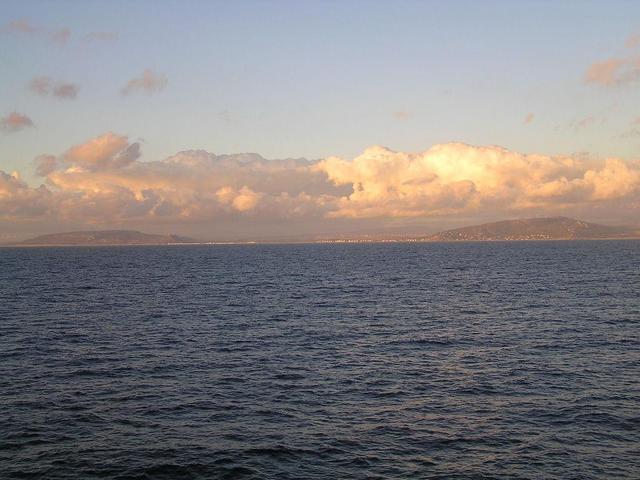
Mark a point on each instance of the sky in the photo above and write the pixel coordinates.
(257, 119)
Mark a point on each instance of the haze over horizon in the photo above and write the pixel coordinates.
(140, 120)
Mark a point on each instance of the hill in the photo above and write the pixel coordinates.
(106, 237)
(556, 228)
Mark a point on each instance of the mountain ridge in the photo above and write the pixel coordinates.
(540, 228)
(105, 237)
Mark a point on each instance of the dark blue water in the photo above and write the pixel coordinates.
(477, 360)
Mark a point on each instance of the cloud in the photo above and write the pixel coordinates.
(614, 72)
(401, 115)
(45, 164)
(66, 90)
(14, 122)
(148, 82)
(60, 36)
(528, 118)
(21, 203)
(21, 26)
(584, 123)
(102, 181)
(40, 85)
(633, 131)
(456, 178)
(45, 86)
(108, 151)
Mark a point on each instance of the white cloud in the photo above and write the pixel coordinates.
(103, 181)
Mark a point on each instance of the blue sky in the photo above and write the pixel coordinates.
(290, 79)
(312, 79)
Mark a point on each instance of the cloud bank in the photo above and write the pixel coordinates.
(103, 182)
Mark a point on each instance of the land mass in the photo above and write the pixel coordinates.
(107, 237)
(555, 228)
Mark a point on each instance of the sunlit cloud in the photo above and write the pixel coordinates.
(401, 115)
(21, 26)
(453, 179)
(616, 71)
(108, 151)
(45, 86)
(21, 203)
(529, 117)
(60, 36)
(15, 122)
(24, 27)
(148, 82)
(103, 180)
(45, 164)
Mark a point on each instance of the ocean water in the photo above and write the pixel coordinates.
(374, 361)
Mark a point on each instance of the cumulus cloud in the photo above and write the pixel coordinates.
(149, 82)
(15, 122)
(103, 180)
(45, 164)
(108, 151)
(457, 178)
(19, 202)
(45, 86)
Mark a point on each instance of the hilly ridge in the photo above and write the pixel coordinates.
(554, 228)
(106, 237)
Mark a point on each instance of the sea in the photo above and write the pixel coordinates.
(515, 360)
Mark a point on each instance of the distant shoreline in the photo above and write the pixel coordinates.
(315, 242)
